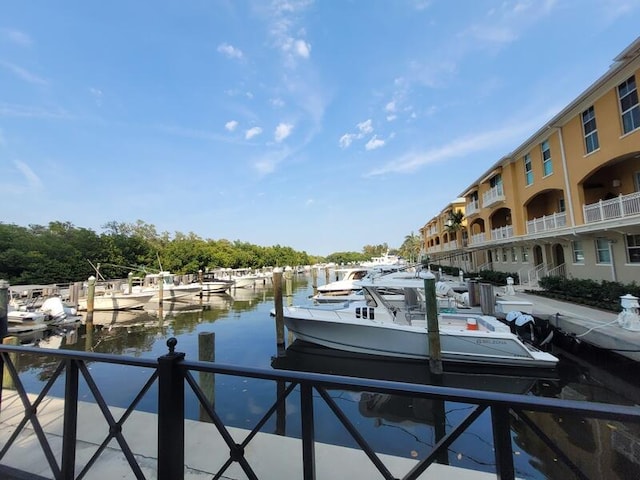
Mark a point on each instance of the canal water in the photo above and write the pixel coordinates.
(245, 335)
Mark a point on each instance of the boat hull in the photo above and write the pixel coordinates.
(117, 302)
(412, 342)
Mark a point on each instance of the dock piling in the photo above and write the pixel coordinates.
(433, 330)
(4, 308)
(277, 298)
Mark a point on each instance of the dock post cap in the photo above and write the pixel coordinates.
(277, 270)
(426, 275)
(171, 343)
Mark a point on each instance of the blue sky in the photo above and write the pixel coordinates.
(321, 125)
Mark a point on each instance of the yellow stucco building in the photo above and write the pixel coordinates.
(566, 201)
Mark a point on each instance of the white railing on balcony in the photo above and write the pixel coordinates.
(496, 194)
(502, 232)
(619, 207)
(472, 207)
(452, 245)
(477, 238)
(547, 222)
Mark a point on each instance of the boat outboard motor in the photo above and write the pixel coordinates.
(522, 325)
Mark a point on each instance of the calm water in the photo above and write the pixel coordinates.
(245, 335)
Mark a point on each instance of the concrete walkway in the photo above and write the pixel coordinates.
(271, 456)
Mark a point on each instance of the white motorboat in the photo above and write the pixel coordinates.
(381, 326)
(113, 300)
(170, 290)
(213, 284)
(346, 283)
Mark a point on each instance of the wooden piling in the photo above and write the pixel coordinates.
(433, 329)
(91, 291)
(7, 381)
(314, 280)
(487, 299)
(288, 281)
(160, 289)
(4, 308)
(130, 282)
(327, 278)
(207, 353)
(277, 298)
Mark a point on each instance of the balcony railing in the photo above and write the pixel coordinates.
(496, 194)
(472, 207)
(452, 245)
(547, 222)
(502, 232)
(619, 207)
(477, 238)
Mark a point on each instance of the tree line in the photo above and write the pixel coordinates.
(61, 252)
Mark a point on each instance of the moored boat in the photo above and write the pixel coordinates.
(380, 326)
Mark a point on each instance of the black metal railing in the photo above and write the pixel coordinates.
(175, 376)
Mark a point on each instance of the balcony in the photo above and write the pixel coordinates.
(477, 238)
(472, 208)
(547, 222)
(493, 196)
(502, 232)
(452, 245)
(620, 207)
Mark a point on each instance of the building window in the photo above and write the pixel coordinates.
(514, 255)
(561, 205)
(637, 177)
(547, 167)
(504, 255)
(633, 248)
(603, 255)
(629, 107)
(590, 132)
(525, 254)
(578, 252)
(528, 171)
(496, 182)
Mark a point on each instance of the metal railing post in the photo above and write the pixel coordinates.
(170, 414)
(70, 422)
(308, 447)
(500, 422)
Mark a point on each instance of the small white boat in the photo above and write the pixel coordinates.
(380, 326)
(170, 290)
(213, 284)
(112, 300)
(346, 282)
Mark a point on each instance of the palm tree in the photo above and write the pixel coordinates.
(411, 247)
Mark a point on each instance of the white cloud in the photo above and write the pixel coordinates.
(231, 125)
(252, 132)
(365, 127)
(32, 179)
(277, 102)
(391, 118)
(346, 140)
(97, 94)
(302, 48)
(230, 51)
(17, 37)
(23, 73)
(412, 161)
(374, 143)
(390, 107)
(283, 130)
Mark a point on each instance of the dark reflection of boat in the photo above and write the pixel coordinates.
(306, 357)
